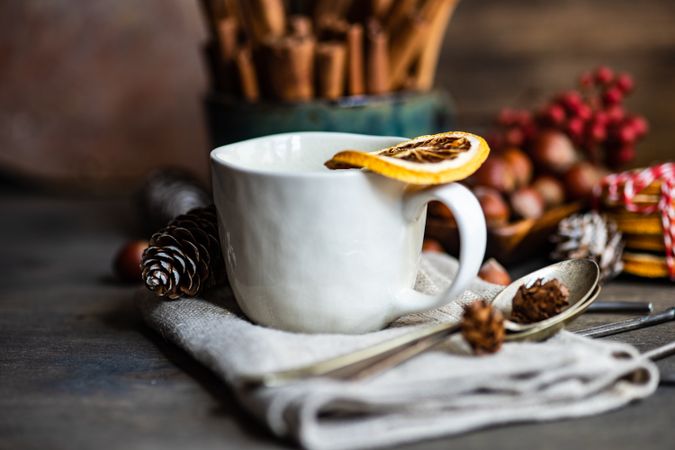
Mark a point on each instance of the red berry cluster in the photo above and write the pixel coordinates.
(593, 117)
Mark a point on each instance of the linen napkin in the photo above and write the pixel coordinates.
(443, 392)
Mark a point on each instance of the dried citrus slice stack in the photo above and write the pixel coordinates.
(434, 159)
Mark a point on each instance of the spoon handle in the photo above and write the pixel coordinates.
(618, 306)
(660, 352)
(395, 358)
(351, 364)
(628, 325)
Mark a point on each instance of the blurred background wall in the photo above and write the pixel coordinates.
(96, 93)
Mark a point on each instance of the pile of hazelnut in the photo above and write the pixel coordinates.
(514, 184)
(543, 158)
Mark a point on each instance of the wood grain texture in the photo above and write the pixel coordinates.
(79, 369)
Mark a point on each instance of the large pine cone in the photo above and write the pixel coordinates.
(590, 236)
(184, 257)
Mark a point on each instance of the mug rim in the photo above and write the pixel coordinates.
(215, 159)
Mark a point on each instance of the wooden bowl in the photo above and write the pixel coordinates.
(510, 243)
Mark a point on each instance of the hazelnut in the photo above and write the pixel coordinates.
(495, 173)
(493, 272)
(580, 180)
(494, 207)
(527, 203)
(554, 151)
(432, 245)
(438, 209)
(521, 165)
(127, 263)
(551, 190)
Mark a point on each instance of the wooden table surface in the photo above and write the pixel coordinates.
(79, 370)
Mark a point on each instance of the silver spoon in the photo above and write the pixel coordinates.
(580, 276)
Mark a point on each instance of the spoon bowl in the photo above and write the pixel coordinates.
(544, 330)
(580, 276)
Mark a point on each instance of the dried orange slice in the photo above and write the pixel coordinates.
(434, 159)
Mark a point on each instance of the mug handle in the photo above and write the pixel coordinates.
(472, 238)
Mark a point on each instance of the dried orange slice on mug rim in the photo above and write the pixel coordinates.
(425, 160)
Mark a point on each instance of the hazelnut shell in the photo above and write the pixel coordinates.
(493, 272)
(495, 209)
(495, 173)
(127, 262)
(521, 165)
(550, 189)
(527, 203)
(553, 151)
(580, 180)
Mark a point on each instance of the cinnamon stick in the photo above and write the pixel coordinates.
(291, 68)
(399, 11)
(406, 48)
(428, 61)
(247, 75)
(378, 80)
(380, 9)
(330, 64)
(227, 38)
(329, 10)
(265, 19)
(300, 26)
(355, 81)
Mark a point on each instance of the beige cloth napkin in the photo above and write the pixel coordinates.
(439, 393)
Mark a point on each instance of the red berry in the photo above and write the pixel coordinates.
(612, 96)
(625, 83)
(583, 111)
(586, 79)
(597, 132)
(571, 99)
(640, 125)
(514, 137)
(627, 134)
(575, 128)
(604, 75)
(506, 117)
(615, 113)
(600, 117)
(554, 114)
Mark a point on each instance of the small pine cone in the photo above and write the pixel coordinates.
(184, 257)
(483, 327)
(591, 236)
(539, 301)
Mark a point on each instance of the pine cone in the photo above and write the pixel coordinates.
(483, 327)
(590, 236)
(184, 257)
(539, 301)
(168, 193)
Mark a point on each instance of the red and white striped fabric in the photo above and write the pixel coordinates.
(622, 188)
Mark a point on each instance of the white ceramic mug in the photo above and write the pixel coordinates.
(314, 250)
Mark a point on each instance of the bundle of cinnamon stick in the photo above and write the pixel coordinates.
(295, 51)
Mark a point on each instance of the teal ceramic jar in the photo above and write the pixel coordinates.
(401, 114)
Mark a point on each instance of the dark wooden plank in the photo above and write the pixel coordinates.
(78, 369)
